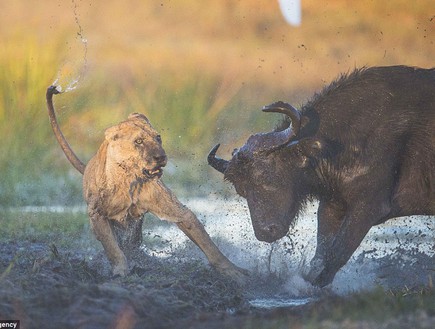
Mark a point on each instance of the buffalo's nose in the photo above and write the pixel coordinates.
(271, 232)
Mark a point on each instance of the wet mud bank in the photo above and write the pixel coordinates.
(48, 287)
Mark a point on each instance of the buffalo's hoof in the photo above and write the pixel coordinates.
(323, 279)
(316, 268)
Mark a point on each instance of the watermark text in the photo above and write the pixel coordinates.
(14, 324)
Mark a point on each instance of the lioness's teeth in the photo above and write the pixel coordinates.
(152, 172)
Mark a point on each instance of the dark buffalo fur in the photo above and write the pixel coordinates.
(365, 150)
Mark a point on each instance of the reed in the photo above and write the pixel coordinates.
(199, 70)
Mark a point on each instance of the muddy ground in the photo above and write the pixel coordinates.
(45, 286)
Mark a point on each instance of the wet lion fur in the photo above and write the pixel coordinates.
(122, 182)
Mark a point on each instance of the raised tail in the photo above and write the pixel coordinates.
(72, 157)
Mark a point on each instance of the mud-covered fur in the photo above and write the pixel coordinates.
(364, 147)
(122, 182)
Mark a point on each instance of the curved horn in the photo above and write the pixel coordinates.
(220, 165)
(288, 110)
(269, 142)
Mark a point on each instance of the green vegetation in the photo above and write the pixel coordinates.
(199, 70)
(47, 226)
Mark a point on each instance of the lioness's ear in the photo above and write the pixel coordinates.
(139, 116)
(112, 133)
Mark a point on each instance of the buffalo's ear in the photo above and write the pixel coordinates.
(309, 149)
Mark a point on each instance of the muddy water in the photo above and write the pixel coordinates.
(171, 286)
(396, 254)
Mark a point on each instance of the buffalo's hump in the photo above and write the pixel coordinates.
(380, 117)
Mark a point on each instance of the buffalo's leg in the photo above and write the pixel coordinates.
(356, 224)
(103, 232)
(329, 219)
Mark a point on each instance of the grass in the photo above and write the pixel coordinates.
(65, 229)
(379, 305)
(199, 70)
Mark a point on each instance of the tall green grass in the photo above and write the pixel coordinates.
(187, 109)
(199, 70)
(25, 70)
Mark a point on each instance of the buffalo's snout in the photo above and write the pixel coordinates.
(270, 232)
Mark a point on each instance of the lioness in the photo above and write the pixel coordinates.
(122, 182)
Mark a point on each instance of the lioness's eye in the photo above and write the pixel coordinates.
(138, 141)
(159, 138)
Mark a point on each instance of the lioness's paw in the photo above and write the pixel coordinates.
(120, 270)
(235, 273)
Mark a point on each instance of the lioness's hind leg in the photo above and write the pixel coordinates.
(103, 232)
(129, 236)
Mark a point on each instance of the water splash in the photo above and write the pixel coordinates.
(72, 85)
(67, 70)
(84, 42)
(396, 254)
(399, 252)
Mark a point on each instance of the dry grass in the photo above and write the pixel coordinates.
(199, 70)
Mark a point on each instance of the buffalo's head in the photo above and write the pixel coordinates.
(271, 172)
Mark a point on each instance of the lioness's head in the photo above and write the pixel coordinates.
(136, 147)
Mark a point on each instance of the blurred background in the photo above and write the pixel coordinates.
(199, 70)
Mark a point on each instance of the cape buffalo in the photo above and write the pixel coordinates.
(364, 147)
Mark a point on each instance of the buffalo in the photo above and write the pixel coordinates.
(364, 147)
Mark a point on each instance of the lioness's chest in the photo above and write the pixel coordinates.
(130, 202)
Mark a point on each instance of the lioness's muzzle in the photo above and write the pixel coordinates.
(155, 172)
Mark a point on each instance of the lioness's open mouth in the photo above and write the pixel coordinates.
(155, 172)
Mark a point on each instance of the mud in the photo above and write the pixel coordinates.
(69, 285)
(49, 287)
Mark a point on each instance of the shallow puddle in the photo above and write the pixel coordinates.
(271, 303)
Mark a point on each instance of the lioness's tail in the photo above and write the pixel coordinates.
(75, 161)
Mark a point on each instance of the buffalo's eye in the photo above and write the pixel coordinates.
(158, 139)
(138, 141)
(241, 190)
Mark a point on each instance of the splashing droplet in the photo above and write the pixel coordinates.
(70, 71)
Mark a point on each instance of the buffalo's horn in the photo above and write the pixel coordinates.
(288, 110)
(219, 164)
(274, 140)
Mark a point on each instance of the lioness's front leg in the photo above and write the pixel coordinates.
(166, 206)
(193, 228)
(103, 232)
